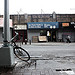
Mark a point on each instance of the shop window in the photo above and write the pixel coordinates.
(43, 33)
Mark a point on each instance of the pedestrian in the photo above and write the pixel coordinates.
(54, 38)
(68, 39)
(21, 38)
(25, 41)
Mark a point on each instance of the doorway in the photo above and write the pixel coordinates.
(53, 36)
(22, 35)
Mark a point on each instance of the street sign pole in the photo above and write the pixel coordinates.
(6, 51)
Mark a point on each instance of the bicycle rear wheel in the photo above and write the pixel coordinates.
(21, 53)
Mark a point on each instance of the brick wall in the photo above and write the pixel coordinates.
(20, 19)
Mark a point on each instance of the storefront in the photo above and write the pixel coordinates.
(22, 30)
(42, 31)
(1, 29)
(66, 29)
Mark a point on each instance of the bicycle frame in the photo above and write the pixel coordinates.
(14, 37)
(18, 49)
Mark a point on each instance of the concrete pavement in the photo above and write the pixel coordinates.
(52, 43)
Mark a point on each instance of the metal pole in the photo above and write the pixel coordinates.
(6, 28)
(6, 52)
(18, 18)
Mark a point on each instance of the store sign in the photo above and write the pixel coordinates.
(65, 24)
(35, 25)
(42, 25)
(20, 27)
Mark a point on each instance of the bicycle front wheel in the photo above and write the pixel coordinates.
(21, 54)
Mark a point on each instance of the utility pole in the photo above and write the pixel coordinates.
(18, 12)
(6, 51)
(43, 15)
(18, 18)
(54, 16)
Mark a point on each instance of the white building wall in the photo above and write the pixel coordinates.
(33, 33)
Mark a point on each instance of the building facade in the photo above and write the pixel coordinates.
(21, 21)
(66, 29)
(57, 34)
(42, 31)
(52, 31)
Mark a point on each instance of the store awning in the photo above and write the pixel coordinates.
(42, 25)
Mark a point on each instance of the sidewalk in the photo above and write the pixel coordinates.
(42, 67)
(52, 43)
(46, 43)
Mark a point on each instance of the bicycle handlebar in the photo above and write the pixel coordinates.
(14, 36)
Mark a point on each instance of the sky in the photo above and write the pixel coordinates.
(39, 6)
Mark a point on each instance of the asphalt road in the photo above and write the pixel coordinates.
(56, 50)
(59, 57)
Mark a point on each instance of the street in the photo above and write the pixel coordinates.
(57, 57)
(47, 59)
(56, 50)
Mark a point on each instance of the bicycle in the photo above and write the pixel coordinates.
(18, 51)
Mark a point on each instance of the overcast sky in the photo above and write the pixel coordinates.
(35, 6)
